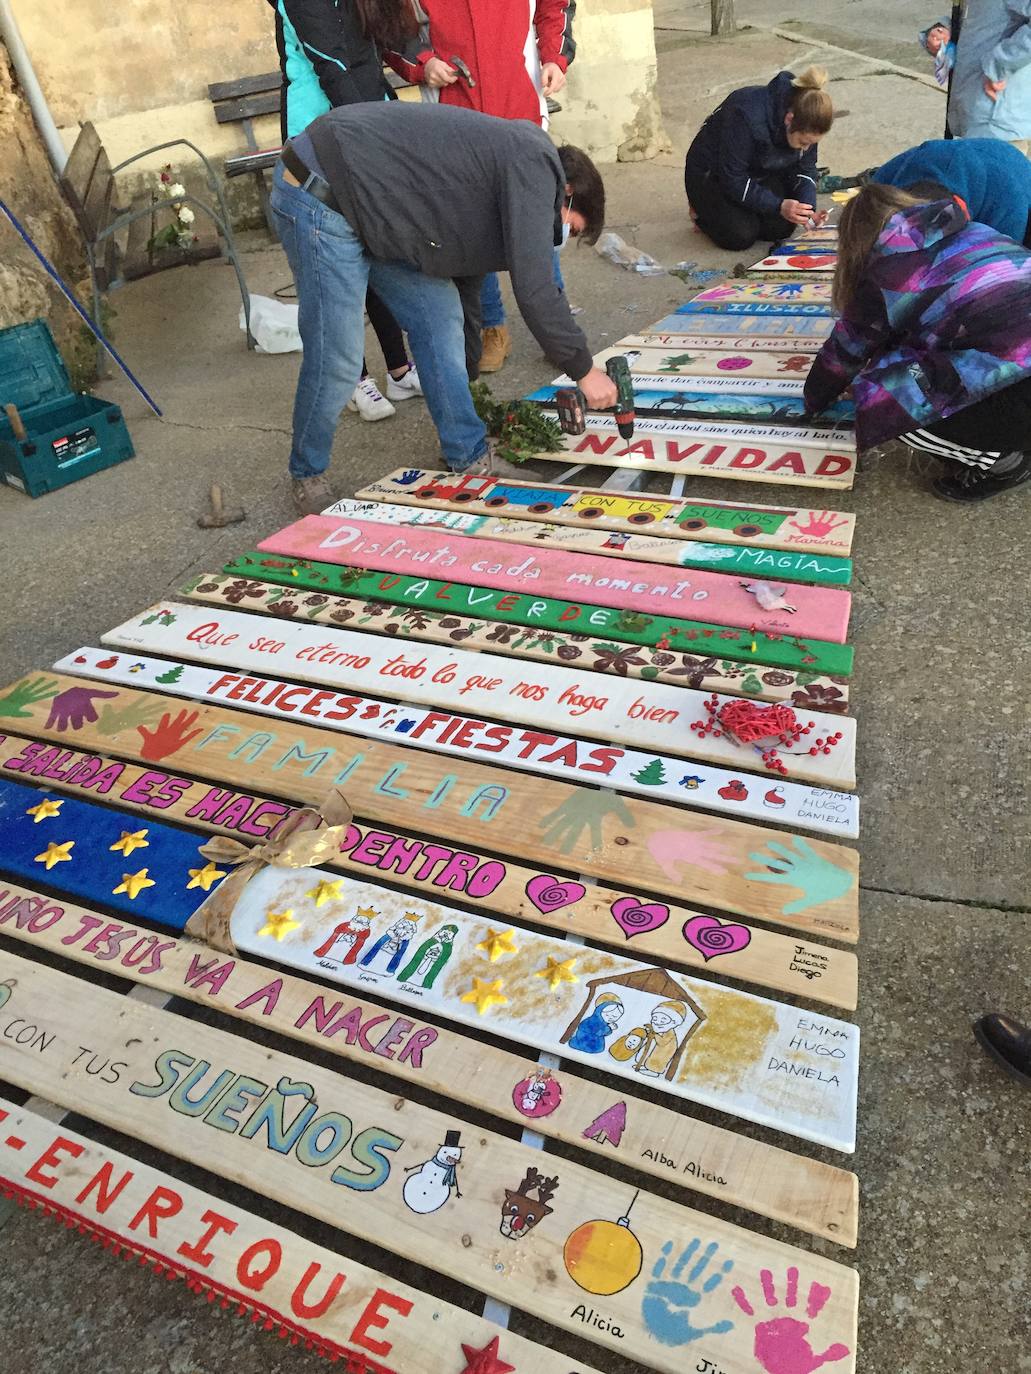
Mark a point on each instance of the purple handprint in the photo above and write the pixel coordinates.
(74, 708)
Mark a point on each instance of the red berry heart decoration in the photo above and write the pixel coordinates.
(749, 723)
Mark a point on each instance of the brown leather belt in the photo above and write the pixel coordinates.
(309, 181)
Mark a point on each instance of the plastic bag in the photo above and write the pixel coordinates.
(273, 324)
(617, 250)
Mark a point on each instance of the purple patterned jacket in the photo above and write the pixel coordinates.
(941, 319)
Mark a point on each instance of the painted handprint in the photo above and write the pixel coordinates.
(25, 694)
(168, 736)
(789, 288)
(668, 1305)
(74, 707)
(781, 1343)
(584, 810)
(819, 526)
(820, 880)
(407, 477)
(142, 711)
(671, 849)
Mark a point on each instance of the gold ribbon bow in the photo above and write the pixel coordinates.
(305, 838)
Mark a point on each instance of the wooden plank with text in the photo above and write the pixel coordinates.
(291, 1288)
(648, 716)
(645, 548)
(730, 324)
(733, 369)
(806, 885)
(610, 916)
(720, 407)
(657, 777)
(421, 1183)
(536, 612)
(818, 611)
(750, 309)
(811, 1196)
(784, 528)
(680, 1036)
(708, 673)
(678, 341)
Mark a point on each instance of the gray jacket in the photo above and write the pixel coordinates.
(994, 42)
(458, 194)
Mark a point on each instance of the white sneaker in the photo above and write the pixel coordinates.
(369, 402)
(404, 388)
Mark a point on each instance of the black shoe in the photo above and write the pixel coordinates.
(979, 484)
(1009, 1044)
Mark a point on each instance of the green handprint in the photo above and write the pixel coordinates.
(820, 880)
(142, 711)
(27, 693)
(584, 810)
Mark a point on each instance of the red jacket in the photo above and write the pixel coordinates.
(499, 41)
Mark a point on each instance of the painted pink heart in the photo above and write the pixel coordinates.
(549, 894)
(638, 918)
(712, 938)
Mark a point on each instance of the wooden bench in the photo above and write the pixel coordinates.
(119, 239)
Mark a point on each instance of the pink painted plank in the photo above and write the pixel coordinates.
(819, 612)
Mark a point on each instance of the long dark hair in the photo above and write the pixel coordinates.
(388, 23)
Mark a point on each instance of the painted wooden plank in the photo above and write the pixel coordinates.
(644, 548)
(388, 1171)
(702, 343)
(819, 611)
(715, 370)
(780, 309)
(720, 1047)
(813, 655)
(647, 774)
(597, 655)
(769, 527)
(815, 264)
(804, 885)
(733, 323)
(720, 406)
(747, 453)
(306, 1293)
(811, 1196)
(579, 909)
(802, 290)
(649, 716)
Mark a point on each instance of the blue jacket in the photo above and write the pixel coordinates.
(326, 60)
(995, 41)
(992, 179)
(744, 139)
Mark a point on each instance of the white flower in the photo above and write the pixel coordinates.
(176, 191)
(186, 215)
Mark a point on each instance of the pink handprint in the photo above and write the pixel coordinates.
(671, 849)
(781, 1344)
(819, 526)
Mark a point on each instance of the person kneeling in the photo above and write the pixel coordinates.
(934, 337)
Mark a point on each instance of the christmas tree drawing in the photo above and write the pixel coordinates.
(652, 774)
(608, 1128)
(173, 675)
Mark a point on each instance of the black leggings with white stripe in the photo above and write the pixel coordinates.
(981, 433)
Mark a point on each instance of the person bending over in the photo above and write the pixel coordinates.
(991, 178)
(934, 337)
(421, 201)
(750, 173)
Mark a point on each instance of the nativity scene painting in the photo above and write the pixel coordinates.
(643, 1020)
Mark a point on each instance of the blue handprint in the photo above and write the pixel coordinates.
(791, 288)
(820, 880)
(409, 476)
(668, 1304)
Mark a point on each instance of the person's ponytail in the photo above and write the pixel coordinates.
(812, 111)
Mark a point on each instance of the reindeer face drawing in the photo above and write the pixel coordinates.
(520, 1211)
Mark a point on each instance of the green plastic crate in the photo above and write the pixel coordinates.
(69, 436)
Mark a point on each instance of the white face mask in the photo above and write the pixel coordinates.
(565, 234)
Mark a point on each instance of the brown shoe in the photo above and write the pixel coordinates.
(497, 345)
(312, 495)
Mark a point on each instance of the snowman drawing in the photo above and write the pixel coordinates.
(428, 1186)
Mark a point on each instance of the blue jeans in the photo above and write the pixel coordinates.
(492, 307)
(332, 272)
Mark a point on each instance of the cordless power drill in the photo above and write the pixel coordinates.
(571, 405)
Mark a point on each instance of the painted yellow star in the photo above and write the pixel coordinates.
(205, 877)
(497, 943)
(130, 840)
(45, 809)
(485, 994)
(279, 924)
(133, 884)
(55, 853)
(559, 971)
(325, 890)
